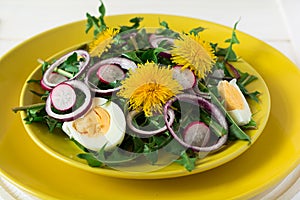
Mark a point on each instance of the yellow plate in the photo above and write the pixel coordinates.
(58, 144)
(272, 157)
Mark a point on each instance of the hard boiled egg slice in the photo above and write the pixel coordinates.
(103, 124)
(235, 102)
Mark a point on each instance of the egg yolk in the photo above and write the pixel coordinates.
(95, 122)
(231, 96)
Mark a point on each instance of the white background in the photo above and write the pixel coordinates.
(276, 22)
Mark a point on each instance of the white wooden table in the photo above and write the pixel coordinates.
(273, 21)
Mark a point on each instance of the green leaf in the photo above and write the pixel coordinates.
(152, 156)
(164, 24)
(238, 132)
(230, 55)
(102, 13)
(132, 56)
(97, 23)
(251, 125)
(45, 66)
(243, 81)
(91, 159)
(186, 161)
(136, 23)
(196, 31)
(52, 123)
(138, 145)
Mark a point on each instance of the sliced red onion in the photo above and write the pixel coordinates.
(165, 55)
(195, 90)
(155, 40)
(232, 70)
(122, 62)
(48, 73)
(144, 133)
(79, 111)
(208, 107)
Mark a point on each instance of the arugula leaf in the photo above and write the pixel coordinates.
(230, 55)
(97, 22)
(164, 24)
(52, 123)
(136, 23)
(132, 56)
(196, 31)
(243, 81)
(186, 161)
(45, 66)
(151, 155)
(71, 64)
(91, 159)
(251, 125)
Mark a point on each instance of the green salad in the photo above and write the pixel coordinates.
(137, 94)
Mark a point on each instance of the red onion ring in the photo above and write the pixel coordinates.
(155, 40)
(204, 104)
(122, 62)
(79, 111)
(62, 59)
(144, 133)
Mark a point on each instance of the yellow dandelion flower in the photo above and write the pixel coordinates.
(149, 87)
(192, 52)
(102, 42)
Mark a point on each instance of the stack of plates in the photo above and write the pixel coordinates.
(243, 172)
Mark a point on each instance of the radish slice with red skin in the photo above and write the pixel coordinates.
(57, 78)
(44, 86)
(208, 107)
(144, 133)
(63, 97)
(48, 73)
(79, 111)
(185, 77)
(109, 73)
(196, 134)
(122, 62)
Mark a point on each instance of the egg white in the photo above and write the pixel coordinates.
(111, 138)
(240, 116)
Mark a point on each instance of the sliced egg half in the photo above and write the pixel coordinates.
(103, 125)
(235, 102)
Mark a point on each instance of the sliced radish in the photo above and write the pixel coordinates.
(57, 78)
(48, 81)
(185, 77)
(63, 97)
(124, 63)
(209, 108)
(54, 78)
(81, 110)
(196, 134)
(44, 86)
(109, 73)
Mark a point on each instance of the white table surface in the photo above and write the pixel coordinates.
(276, 22)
